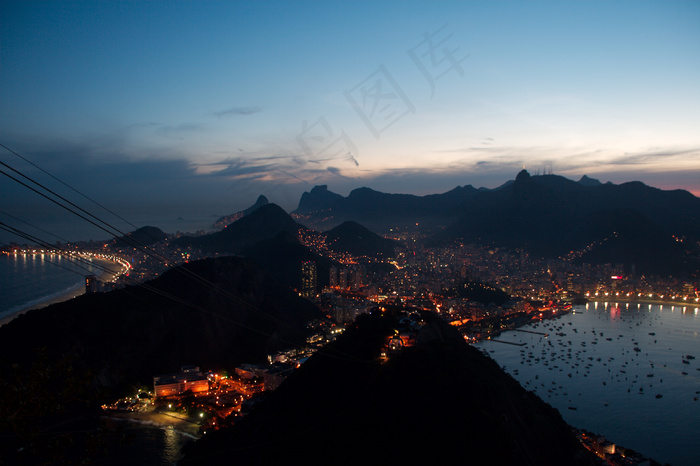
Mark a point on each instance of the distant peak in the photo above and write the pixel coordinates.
(318, 199)
(262, 200)
(361, 191)
(588, 181)
(524, 175)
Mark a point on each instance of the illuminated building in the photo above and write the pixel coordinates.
(308, 279)
(570, 281)
(189, 378)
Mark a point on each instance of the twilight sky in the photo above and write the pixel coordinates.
(189, 110)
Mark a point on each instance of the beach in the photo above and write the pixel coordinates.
(109, 274)
(184, 424)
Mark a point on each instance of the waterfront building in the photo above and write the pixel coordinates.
(189, 378)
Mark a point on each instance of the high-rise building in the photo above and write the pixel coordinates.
(333, 282)
(570, 281)
(308, 279)
(356, 279)
(343, 279)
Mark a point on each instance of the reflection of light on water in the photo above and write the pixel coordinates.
(615, 312)
(163, 440)
(171, 447)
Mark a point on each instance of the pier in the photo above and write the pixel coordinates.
(530, 331)
(509, 342)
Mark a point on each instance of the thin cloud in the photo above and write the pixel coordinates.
(175, 131)
(655, 156)
(237, 111)
(291, 175)
(243, 169)
(336, 171)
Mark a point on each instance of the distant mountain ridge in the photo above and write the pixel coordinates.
(551, 215)
(547, 214)
(319, 198)
(379, 211)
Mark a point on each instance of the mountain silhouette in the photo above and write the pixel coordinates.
(264, 222)
(548, 215)
(226, 220)
(551, 216)
(381, 211)
(144, 236)
(359, 241)
(320, 198)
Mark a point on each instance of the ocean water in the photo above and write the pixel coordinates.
(144, 442)
(29, 279)
(626, 371)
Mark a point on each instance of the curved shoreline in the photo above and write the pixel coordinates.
(660, 302)
(73, 292)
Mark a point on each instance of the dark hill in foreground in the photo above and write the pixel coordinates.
(439, 402)
(282, 256)
(63, 361)
(219, 311)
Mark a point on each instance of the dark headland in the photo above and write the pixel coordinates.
(437, 402)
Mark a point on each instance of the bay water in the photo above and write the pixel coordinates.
(623, 370)
(27, 280)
